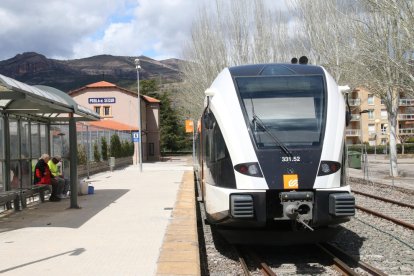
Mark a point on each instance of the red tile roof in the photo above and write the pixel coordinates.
(113, 125)
(150, 99)
(105, 84)
(101, 84)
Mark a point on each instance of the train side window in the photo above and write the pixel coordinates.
(219, 143)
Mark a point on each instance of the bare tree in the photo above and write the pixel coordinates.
(234, 33)
(384, 61)
(325, 34)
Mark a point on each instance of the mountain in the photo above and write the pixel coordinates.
(33, 68)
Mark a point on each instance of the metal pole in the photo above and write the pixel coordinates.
(137, 66)
(193, 142)
(73, 163)
(88, 156)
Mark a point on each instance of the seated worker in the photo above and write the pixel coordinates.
(56, 174)
(42, 176)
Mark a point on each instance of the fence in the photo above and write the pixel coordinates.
(87, 136)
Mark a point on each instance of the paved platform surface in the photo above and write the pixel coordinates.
(118, 231)
(377, 170)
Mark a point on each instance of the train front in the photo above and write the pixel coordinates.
(283, 127)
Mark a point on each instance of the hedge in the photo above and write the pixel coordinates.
(382, 149)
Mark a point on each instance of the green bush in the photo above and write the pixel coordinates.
(127, 148)
(104, 149)
(96, 153)
(382, 149)
(115, 146)
(82, 158)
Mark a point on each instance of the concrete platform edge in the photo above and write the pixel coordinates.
(179, 254)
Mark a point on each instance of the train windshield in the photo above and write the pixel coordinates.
(284, 111)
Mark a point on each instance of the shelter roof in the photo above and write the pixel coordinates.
(41, 102)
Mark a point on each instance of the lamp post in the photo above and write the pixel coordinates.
(360, 123)
(363, 149)
(138, 67)
(377, 121)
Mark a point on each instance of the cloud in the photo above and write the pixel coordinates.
(51, 27)
(158, 28)
(80, 28)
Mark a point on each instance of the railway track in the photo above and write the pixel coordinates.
(387, 209)
(341, 261)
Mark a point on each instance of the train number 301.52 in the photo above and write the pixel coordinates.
(291, 159)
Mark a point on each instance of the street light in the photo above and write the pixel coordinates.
(363, 149)
(377, 121)
(360, 123)
(138, 67)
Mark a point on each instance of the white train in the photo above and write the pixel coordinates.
(270, 149)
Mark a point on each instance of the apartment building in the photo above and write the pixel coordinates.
(369, 122)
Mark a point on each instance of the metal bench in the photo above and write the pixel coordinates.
(10, 196)
(31, 192)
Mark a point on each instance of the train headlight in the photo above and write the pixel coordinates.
(328, 167)
(251, 169)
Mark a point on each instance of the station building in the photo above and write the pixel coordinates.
(118, 108)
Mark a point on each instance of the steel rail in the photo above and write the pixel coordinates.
(346, 269)
(243, 262)
(396, 221)
(367, 267)
(264, 268)
(384, 199)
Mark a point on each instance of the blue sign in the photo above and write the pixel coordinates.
(110, 100)
(135, 136)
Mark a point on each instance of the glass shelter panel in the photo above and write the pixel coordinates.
(2, 155)
(43, 139)
(35, 140)
(2, 176)
(25, 173)
(25, 139)
(14, 139)
(1, 138)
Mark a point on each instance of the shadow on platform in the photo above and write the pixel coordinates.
(58, 214)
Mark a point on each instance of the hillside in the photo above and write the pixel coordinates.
(66, 75)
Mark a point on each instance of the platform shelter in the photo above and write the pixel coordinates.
(27, 115)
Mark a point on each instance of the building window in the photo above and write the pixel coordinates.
(97, 109)
(371, 128)
(107, 111)
(371, 99)
(384, 114)
(384, 128)
(151, 150)
(382, 101)
(371, 114)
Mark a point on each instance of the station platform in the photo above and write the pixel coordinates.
(121, 229)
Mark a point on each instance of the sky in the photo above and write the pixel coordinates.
(69, 29)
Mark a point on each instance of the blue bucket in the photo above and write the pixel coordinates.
(91, 190)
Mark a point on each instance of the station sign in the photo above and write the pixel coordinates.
(135, 136)
(110, 100)
(189, 126)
